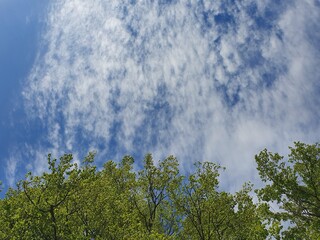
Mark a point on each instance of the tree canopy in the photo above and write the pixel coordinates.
(294, 185)
(73, 201)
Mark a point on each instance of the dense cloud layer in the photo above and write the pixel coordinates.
(203, 80)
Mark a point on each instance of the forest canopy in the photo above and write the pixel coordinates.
(73, 201)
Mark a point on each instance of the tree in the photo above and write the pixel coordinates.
(157, 202)
(295, 186)
(108, 212)
(249, 220)
(151, 197)
(44, 207)
(198, 202)
(211, 214)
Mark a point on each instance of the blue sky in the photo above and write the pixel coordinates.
(21, 24)
(203, 80)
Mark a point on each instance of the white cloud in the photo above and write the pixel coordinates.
(11, 170)
(156, 78)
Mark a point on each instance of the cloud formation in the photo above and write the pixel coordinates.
(208, 80)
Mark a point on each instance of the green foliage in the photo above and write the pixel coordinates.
(294, 186)
(213, 214)
(157, 202)
(152, 195)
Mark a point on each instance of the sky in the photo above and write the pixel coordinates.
(202, 80)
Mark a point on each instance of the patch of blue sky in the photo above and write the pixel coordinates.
(21, 24)
(159, 114)
(231, 98)
(313, 33)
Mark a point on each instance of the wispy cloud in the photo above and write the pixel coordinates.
(216, 81)
(11, 168)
